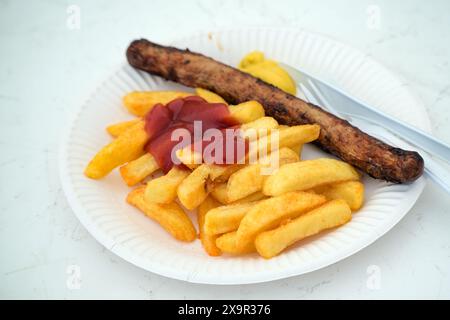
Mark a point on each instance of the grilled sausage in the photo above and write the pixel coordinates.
(337, 136)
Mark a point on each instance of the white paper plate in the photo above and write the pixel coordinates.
(100, 205)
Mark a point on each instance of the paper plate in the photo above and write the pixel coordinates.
(101, 207)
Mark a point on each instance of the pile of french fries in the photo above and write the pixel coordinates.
(240, 210)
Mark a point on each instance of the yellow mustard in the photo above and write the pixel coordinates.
(267, 70)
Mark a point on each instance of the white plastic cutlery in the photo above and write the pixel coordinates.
(375, 122)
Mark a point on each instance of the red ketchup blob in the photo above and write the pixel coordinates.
(162, 121)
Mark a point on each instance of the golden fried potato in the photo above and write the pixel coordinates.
(209, 96)
(170, 216)
(332, 214)
(250, 179)
(350, 191)
(308, 174)
(127, 147)
(192, 190)
(208, 241)
(261, 123)
(195, 188)
(298, 149)
(269, 213)
(252, 197)
(226, 218)
(140, 102)
(221, 173)
(164, 188)
(244, 182)
(117, 129)
(219, 192)
(287, 137)
(227, 243)
(137, 170)
(258, 128)
(247, 111)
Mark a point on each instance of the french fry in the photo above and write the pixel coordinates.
(288, 137)
(332, 214)
(226, 218)
(219, 192)
(350, 191)
(227, 243)
(252, 197)
(209, 96)
(170, 216)
(192, 190)
(195, 188)
(117, 129)
(137, 170)
(250, 179)
(221, 173)
(261, 123)
(295, 135)
(298, 149)
(247, 111)
(208, 241)
(258, 128)
(127, 147)
(164, 188)
(140, 102)
(308, 174)
(268, 214)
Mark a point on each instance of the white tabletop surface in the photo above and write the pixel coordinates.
(48, 68)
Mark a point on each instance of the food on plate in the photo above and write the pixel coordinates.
(126, 147)
(269, 213)
(170, 216)
(209, 96)
(164, 189)
(208, 240)
(289, 137)
(194, 189)
(350, 191)
(330, 215)
(246, 111)
(117, 129)
(251, 190)
(227, 244)
(219, 192)
(258, 128)
(141, 102)
(337, 136)
(227, 218)
(250, 179)
(137, 170)
(308, 174)
(267, 70)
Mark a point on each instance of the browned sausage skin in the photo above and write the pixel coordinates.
(337, 136)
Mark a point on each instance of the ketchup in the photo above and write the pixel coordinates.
(162, 121)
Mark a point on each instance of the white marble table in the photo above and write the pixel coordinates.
(47, 68)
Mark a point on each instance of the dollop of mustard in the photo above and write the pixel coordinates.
(267, 70)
